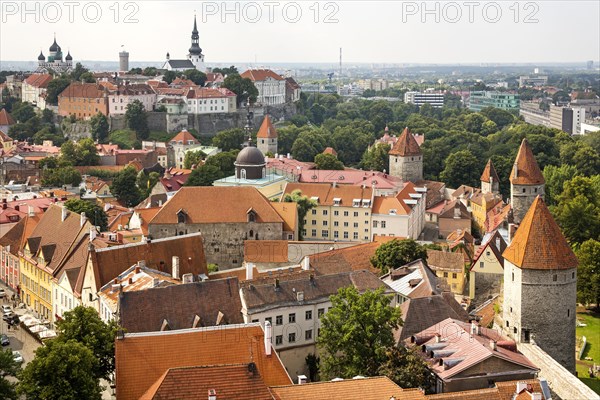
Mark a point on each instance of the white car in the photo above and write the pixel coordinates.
(2, 293)
(17, 357)
(6, 309)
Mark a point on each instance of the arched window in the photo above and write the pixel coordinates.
(251, 233)
(264, 172)
(242, 174)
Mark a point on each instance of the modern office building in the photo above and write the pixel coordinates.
(482, 99)
(434, 98)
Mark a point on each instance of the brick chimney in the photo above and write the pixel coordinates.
(306, 263)
(63, 214)
(249, 271)
(175, 267)
(82, 219)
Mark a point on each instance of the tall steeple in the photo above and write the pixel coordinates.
(490, 182)
(526, 182)
(195, 49)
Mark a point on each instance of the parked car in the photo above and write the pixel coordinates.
(17, 357)
(6, 309)
(8, 317)
(2, 293)
(4, 340)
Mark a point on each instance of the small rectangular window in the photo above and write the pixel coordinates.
(320, 312)
(292, 337)
(308, 334)
(279, 320)
(308, 315)
(292, 318)
(278, 339)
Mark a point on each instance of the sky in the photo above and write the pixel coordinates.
(260, 32)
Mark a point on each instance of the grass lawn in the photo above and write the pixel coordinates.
(592, 350)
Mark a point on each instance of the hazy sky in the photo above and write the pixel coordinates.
(368, 31)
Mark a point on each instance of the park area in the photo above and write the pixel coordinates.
(588, 325)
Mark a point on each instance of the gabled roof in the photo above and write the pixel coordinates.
(328, 195)
(489, 172)
(420, 313)
(232, 381)
(376, 388)
(539, 242)
(450, 210)
(412, 280)
(351, 258)
(490, 242)
(526, 170)
(142, 358)
(330, 150)
(445, 261)
(39, 80)
(406, 145)
(83, 90)
(267, 130)
(158, 254)
(266, 251)
(400, 202)
(179, 305)
(6, 118)
(261, 75)
(464, 349)
(212, 204)
(181, 64)
(289, 213)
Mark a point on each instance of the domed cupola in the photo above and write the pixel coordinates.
(55, 47)
(68, 57)
(250, 164)
(41, 57)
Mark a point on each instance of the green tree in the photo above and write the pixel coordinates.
(192, 158)
(81, 153)
(500, 117)
(78, 71)
(146, 182)
(328, 161)
(461, 168)
(124, 187)
(303, 203)
(61, 176)
(243, 88)
(204, 175)
(397, 253)
(61, 371)
(406, 368)
(84, 326)
(588, 272)
(23, 112)
(55, 87)
(47, 116)
(226, 71)
(150, 71)
(87, 77)
(555, 179)
(99, 127)
(377, 158)
(304, 151)
(578, 210)
(230, 139)
(8, 368)
(94, 213)
(356, 333)
(169, 76)
(137, 119)
(198, 77)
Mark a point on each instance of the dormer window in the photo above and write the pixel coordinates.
(251, 215)
(366, 203)
(356, 203)
(181, 217)
(393, 212)
(337, 201)
(315, 199)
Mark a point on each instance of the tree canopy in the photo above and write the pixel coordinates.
(137, 119)
(328, 161)
(8, 368)
(94, 213)
(303, 203)
(243, 88)
(397, 253)
(124, 187)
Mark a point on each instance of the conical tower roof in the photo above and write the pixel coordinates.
(488, 172)
(539, 243)
(526, 170)
(267, 130)
(406, 145)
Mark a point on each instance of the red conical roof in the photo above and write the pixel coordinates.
(539, 243)
(526, 170)
(488, 172)
(267, 130)
(406, 145)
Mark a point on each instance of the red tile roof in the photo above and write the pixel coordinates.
(406, 145)
(39, 80)
(232, 381)
(266, 251)
(526, 170)
(539, 242)
(142, 358)
(6, 118)
(84, 90)
(184, 136)
(330, 150)
(261, 75)
(327, 194)
(267, 130)
(488, 172)
(209, 93)
(212, 205)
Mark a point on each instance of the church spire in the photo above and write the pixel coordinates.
(195, 49)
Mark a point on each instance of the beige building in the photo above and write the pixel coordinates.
(448, 266)
(33, 89)
(402, 215)
(343, 212)
(487, 270)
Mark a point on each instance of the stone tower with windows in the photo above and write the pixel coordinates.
(540, 286)
(490, 182)
(526, 182)
(266, 137)
(406, 158)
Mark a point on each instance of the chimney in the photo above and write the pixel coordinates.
(92, 233)
(334, 185)
(175, 267)
(288, 156)
(306, 263)
(17, 208)
(31, 211)
(475, 330)
(521, 386)
(493, 345)
(249, 271)
(438, 338)
(212, 394)
(64, 214)
(268, 334)
(82, 219)
(302, 379)
(137, 269)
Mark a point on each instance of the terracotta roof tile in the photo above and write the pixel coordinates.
(6, 118)
(478, 394)
(266, 251)
(261, 75)
(488, 172)
(406, 145)
(110, 262)
(192, 383)
(539, 242)
(184, 136)
(330, 150)
(142, 358)
(267, 130)
(445, 261)
(145, 310)
(84, 90)
(211, 204)
(526, 170)
(376, 388)
(351, 258)
(327, 194)
(38, 80)
(289, 213)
